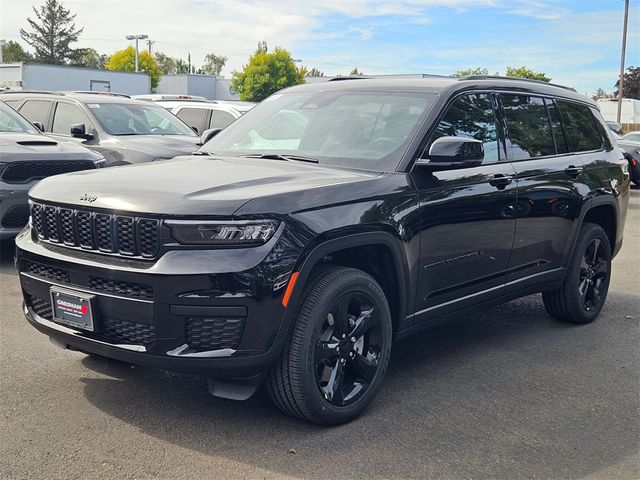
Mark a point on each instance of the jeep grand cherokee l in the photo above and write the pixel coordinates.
(324, 223)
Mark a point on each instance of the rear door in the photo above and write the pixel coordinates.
(550, 188)
(466, 215)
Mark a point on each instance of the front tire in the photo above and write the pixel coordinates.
(338, 351)
(586, 283)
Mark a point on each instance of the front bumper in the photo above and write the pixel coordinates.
(14, 208)
(218, 324)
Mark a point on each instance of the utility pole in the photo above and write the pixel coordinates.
(136, 38)
(150, 43)
(622, 55)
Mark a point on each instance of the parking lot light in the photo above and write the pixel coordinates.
(136, 38)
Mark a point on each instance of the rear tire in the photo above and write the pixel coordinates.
(338, 350)
(586, 283)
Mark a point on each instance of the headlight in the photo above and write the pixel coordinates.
(204, 232)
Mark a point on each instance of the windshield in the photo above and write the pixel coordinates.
(12, 122)
(367, 130)
(134, 119)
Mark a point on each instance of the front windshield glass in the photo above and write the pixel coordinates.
(360, 129)
(134, 119)
(12, 122)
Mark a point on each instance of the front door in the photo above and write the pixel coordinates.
(467, 216)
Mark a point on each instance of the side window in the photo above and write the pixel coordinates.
(35, 110)
(67, 115)
(194, 117)
(471, 116)
(220, 119)
(556, 127)
(579, 126)
(529, 130)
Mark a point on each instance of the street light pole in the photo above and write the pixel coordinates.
(136, 38)
(622, 55)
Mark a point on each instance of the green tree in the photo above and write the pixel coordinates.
(124, 61)
(167, 64)
(466, 72)
(315, 72)
(13, 52)
(51, 33)
(524, 72)
(265, 74)
(631, 85)
(262, 47)
(88, 57)
(213, 64)
(600, 93)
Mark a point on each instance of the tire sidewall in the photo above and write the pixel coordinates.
(572, 296)
(325, 412)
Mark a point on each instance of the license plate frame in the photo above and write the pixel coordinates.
(72, 308)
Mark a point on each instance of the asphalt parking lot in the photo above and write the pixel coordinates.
(507, 393)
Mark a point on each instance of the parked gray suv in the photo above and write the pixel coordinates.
(26, 157)
(122, 129)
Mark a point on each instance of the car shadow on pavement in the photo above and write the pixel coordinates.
(508, 393)
(7, 252)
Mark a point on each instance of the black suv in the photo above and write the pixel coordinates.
(326, 222)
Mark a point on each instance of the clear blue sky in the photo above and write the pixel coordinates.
(575, 42)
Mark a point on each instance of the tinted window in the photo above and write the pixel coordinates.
(194, 117)
(221, 119)
(471, 116)
(579, 126)
(556, 126)
(35, 110)
(67, 115)
(529, 131)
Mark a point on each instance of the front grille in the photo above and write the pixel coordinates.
(23, 172)
(101, 232)
(45, 271)
(127, 289)
(17, 217)
(113, 330)
(214, 333)
(109, 329)
(99, 284)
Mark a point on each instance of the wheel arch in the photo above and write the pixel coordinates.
(603, 211)
(337, 251)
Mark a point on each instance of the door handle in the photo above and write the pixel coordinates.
(500, 180)
(573, 171)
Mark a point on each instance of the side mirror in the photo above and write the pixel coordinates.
(195, 129)
(78, 130)
(453, 152)
(209, 134)
(39, 126)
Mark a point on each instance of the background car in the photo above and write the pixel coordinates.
(123, 130)
(198, 112)
(27, 157)
(631, 137)
(630, 145)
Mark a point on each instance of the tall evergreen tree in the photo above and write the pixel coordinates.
(51, 33)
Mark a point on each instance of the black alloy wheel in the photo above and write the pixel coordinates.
(586, 282)
(347, 353)
(338, 351)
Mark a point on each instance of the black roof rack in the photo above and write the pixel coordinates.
(46, 92)
(92, 92)
(497, 77)
(351, 77)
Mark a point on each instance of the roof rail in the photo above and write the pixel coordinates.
(46, 92)
(350, 77)
(497, 77)
(92, 92)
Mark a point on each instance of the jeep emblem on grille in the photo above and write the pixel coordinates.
(88, 198)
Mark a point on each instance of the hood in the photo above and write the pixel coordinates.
(25, 146)
(192, 185)
(160, 146)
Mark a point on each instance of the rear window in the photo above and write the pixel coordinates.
(579, 127)
(528, 125)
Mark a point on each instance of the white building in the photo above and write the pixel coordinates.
(38, 76)
(208, 86)
(630, 114)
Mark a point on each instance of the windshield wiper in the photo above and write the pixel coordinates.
(278, 156)
(201, 152)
